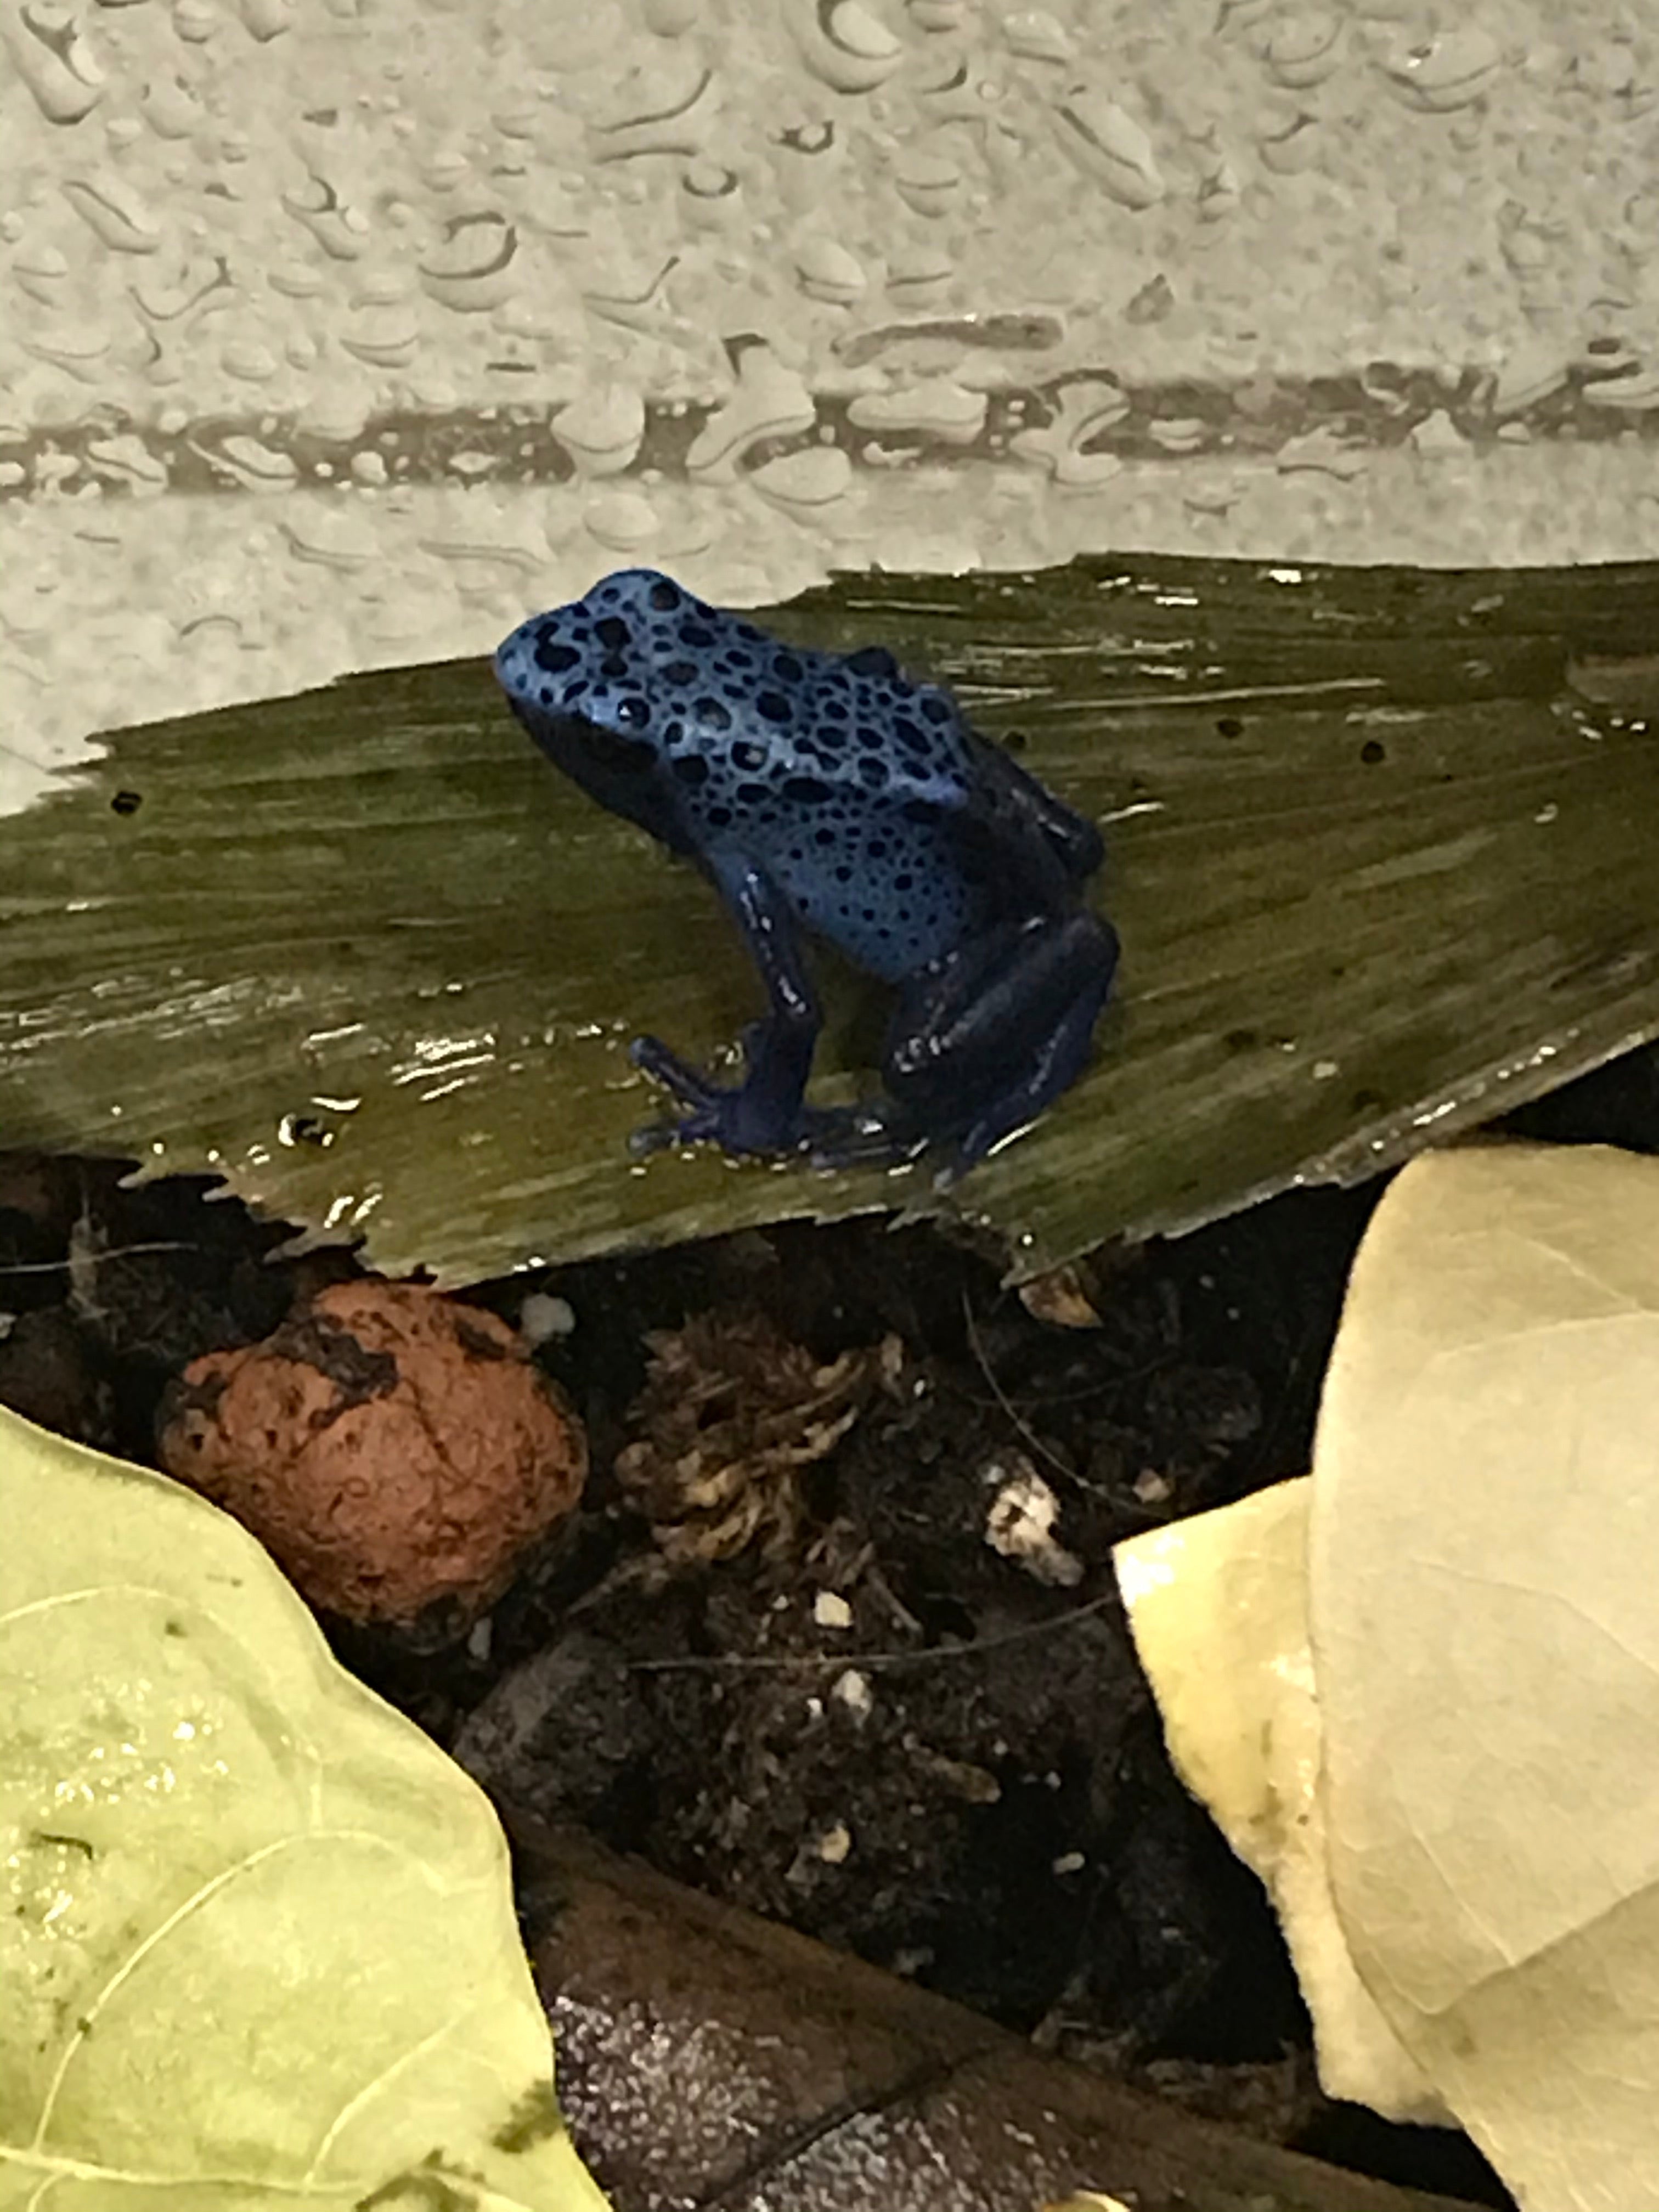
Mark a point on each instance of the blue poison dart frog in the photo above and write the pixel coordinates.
(828, 795)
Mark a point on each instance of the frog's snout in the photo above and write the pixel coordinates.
(515, 659)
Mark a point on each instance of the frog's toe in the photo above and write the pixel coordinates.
(652, 1137)
(704, 1101)
(665, 1066)
(704, 1125)
(687, 1086)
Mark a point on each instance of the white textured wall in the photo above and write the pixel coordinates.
(291, 292)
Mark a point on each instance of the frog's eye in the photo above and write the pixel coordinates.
(664, 596)
(872, 660)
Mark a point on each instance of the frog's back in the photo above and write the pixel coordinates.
(846, 781)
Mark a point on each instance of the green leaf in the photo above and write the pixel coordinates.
(1380, 869)
(257, 1938)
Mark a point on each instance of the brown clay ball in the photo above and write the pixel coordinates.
(393, 1450)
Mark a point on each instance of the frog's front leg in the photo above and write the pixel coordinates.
(982, 1041)
(765, 1112)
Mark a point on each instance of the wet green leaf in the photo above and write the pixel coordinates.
(1381, 854)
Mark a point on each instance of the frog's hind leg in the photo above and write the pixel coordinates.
(1060, 1059)
(765, 1112)
(981, 1046)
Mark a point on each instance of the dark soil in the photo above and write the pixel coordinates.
(866, 1722)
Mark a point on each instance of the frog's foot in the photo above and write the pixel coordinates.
(755, 1117)
(872, 1134)
(749, 1119)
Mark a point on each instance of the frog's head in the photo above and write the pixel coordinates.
(579, 680)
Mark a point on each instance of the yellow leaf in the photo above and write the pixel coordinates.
(1420, 1691)
(257, 1938)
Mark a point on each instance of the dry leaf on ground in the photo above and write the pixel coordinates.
(1458, 1809)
